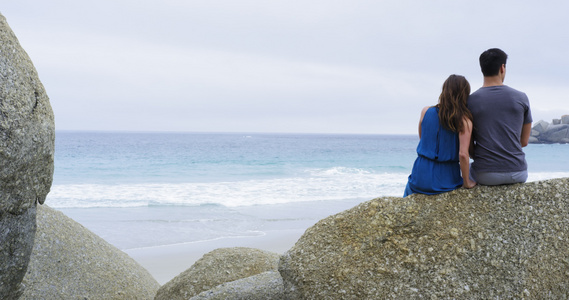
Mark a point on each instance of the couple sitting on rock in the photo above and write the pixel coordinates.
(491, 126)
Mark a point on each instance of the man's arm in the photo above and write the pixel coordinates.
(526, 130)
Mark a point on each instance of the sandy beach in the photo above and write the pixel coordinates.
(168, 240)
(166, 262)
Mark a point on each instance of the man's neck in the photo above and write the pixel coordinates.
(492, 81)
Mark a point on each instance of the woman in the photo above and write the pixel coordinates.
(444, 132)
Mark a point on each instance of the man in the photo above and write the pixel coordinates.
(502, 125)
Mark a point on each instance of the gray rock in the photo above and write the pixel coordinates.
(27, 134)
(70, 262)
(496, 242)
(555, 133)
(267, 285)
(17, 233)
(217, 267)
(540, 126)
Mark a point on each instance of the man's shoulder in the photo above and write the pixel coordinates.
(479, 93)
(485, 91)
(513, 90)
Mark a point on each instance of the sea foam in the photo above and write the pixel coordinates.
(317, 185)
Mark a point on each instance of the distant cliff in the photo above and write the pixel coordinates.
(545, 133)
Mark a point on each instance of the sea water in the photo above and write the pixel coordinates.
(149, 189)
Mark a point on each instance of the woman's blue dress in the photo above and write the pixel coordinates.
(436, 169)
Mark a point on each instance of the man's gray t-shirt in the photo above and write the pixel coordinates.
(499, 113)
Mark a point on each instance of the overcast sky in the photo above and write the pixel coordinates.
(281, 66)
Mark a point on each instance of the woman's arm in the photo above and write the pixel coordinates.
(423, 112)
(463, 154)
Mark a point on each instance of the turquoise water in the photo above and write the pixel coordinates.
(179, 157)
(149, 189)
(152, 169)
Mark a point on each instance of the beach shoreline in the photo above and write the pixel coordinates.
(168, 240)
(167, 261)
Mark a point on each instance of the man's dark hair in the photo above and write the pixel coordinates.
(491, 60)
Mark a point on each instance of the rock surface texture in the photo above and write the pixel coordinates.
(503, 242)
(70, 262)
(27, 134)
(557, 132)
(267, 285)
(217, 267)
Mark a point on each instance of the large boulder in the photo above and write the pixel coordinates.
(217, 267)
(70, 262)
(267, 285)
(27, 134)
(497, 242)
(555, 134)
(540, 126)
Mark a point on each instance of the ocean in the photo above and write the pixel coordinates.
(139, 190)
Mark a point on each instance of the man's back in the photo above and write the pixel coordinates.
(499, 113)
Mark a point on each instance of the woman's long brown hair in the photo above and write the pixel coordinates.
(452, 103)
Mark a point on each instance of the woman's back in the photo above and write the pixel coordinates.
(436, 169)
(437, 143)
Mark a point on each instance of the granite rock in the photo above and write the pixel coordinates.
(540, 126)
(555, 134)
(17, 233)
(27, 134)
(70, 262)
(267, 285)
(545, 133)
(217, 267)
(498, 242)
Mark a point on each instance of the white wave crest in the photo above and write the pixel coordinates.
(320, 185)
(329, 185)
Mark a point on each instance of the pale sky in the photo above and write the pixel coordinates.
(306, 66)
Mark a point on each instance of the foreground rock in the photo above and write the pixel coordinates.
(556, 132)
(267, 285)
(70, 262)
(487, 243)
(26, 157)
(217, 267)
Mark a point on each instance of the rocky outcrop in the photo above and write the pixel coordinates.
(27, 135)
(217, 267)
(557, 132)
(267, 285)
(497, 242)
(70, 262)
